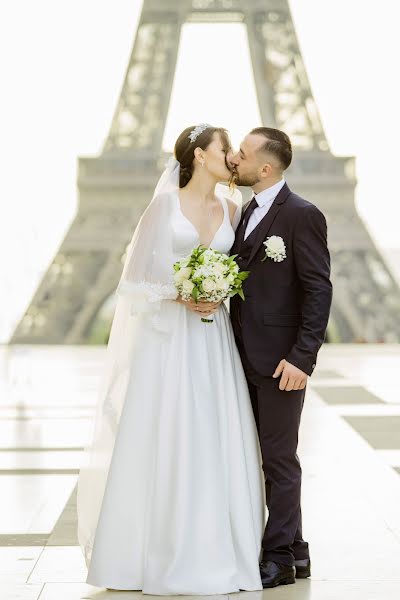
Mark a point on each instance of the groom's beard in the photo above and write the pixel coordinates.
(246, 180)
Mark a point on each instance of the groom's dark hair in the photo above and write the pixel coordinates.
(276, 143)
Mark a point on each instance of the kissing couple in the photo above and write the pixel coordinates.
(191, 483)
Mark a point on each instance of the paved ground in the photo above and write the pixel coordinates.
(350, 451)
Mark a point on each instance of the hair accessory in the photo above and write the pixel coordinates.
(198, 130)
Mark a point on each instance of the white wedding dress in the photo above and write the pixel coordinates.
(183, 507)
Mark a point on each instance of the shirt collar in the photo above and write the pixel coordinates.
(269, 194)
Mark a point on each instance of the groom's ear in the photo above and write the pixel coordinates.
(266, 170)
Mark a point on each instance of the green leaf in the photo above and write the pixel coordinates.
(241, 294)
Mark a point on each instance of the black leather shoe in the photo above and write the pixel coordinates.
(273, 574)
(303, 568)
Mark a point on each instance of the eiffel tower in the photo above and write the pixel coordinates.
(115, 186)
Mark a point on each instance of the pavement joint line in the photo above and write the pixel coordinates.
(50, 471)
(350, 394)
(39, 449)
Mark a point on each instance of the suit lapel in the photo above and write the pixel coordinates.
(260, 232)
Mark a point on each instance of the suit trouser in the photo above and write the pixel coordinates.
(277, 414)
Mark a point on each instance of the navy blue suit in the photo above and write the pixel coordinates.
(285, 315)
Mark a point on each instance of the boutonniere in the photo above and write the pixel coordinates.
(274, 248)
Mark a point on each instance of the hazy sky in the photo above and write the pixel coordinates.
(62, 65)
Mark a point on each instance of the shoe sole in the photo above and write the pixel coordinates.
(303, 574)
(285, 581)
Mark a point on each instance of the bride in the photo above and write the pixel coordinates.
(171, 489)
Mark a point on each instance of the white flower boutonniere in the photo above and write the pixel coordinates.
(274, 248)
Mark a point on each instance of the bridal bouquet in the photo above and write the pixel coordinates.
(207, 274)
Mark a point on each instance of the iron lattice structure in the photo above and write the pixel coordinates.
(115, 186)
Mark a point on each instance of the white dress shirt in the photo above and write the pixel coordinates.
(264, 200)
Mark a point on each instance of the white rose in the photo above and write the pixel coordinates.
(209, 285)
(207, 256)
(275, 249)
(182, 274)
(186, 272)
(187, 286)
(219, 268)
(275, 244)
(203, 271)
(222, 285)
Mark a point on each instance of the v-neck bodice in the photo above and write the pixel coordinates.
(186, 237)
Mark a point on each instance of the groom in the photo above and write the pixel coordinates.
(282, 240)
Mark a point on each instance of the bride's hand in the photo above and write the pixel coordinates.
(202, 307)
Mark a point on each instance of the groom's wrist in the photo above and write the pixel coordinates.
(304, 363)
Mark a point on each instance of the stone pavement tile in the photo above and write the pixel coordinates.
(366, 410)
(31, 503)
(381, 432)
(65, 530)
(23, 539)
(301, 590)
(346, 395)
(353, 527)
(39, 472)
(326, 374)
(68, 433)
(16, 563)
(390, 457)
(387, 390)
(334, 590)
(367, 363)
(20, 591)
(40, 460)
(84, 591)
(383, 424)
(24, 412)
(57, 564)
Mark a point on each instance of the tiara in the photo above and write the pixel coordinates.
(198, 130)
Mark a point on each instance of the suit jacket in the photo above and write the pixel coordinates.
(286, 310)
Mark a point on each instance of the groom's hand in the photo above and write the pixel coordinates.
(292, 378)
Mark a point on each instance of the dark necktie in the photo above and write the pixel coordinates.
(249, 210)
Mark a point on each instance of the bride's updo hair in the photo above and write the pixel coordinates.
(184, 149)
